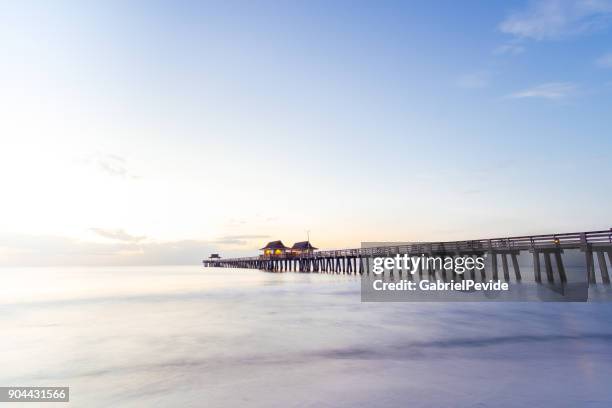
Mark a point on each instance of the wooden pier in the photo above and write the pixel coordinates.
(549, 249)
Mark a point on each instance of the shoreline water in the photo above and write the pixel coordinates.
(221, 338)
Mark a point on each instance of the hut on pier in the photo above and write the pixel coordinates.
(274, 248)
(302, 248)
(213, 260)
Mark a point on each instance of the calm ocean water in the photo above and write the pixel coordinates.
(188, 336)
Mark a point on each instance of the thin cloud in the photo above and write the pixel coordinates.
(229, 241)
(110, 164)
(553, 91)
(605, 61)
(509, 49)
(474, 80)
(247, 236)
(113, 165)
(234, 222)
(555, 19)
(240, 240)
(117, 235)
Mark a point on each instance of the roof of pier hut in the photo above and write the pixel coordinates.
(275, 245)
(304, 245)
(214, 256)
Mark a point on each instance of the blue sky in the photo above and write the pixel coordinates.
(138, 132)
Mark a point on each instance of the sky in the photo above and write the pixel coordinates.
(159, 132)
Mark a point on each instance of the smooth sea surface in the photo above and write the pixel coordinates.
(185, 336)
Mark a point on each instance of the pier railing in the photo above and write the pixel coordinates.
(595, 245)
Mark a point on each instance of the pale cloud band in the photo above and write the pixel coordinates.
(122, 249)
(553, 91)
(117, 234)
